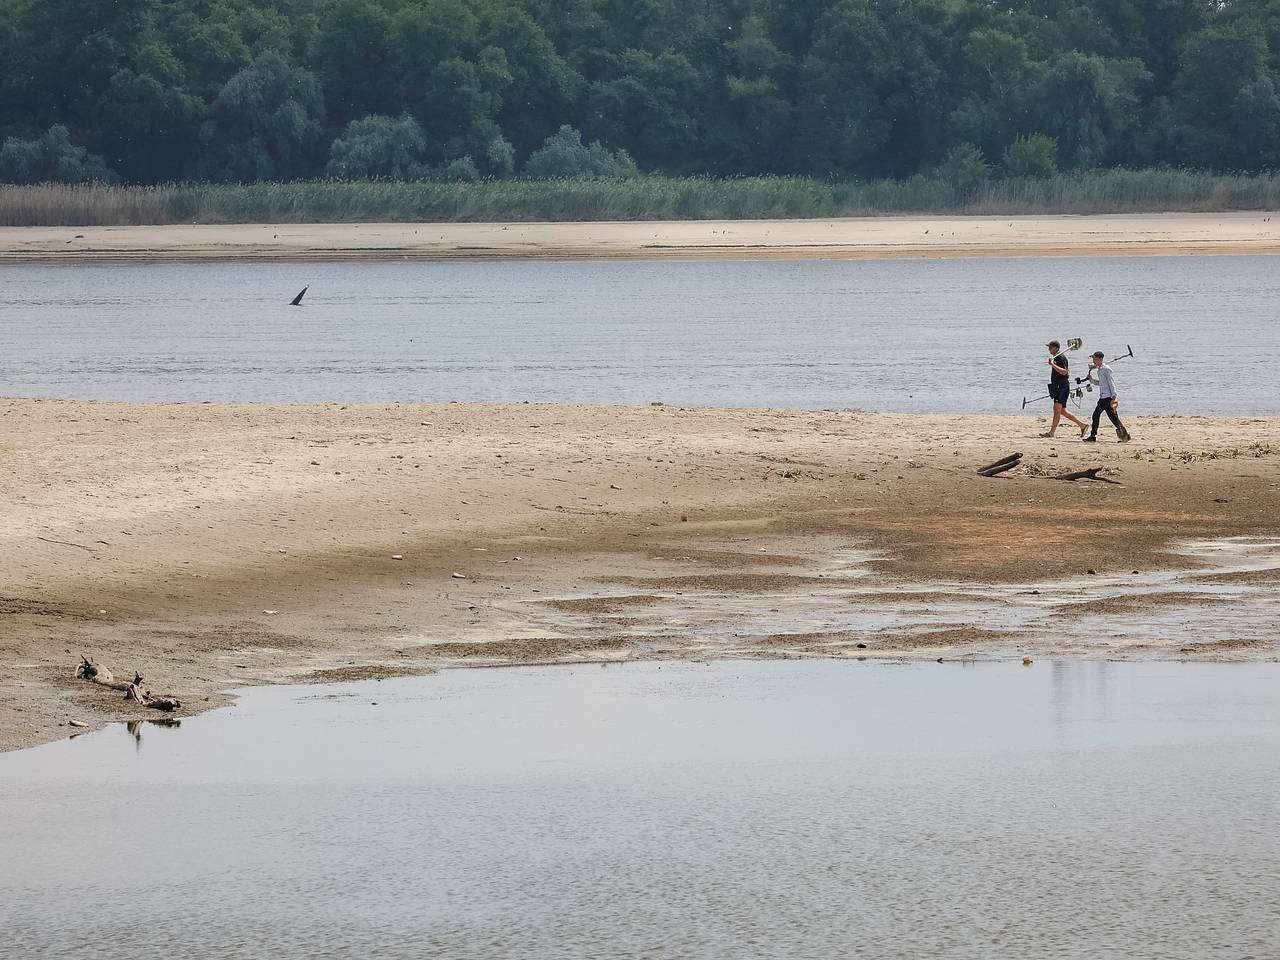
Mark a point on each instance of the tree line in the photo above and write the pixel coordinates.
(149, 91)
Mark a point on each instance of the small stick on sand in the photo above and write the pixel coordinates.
(66, 543)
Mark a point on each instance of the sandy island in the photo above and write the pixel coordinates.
(928, 236)
(211, 546)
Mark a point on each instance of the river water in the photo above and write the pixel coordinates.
(960, 335)
(809, 809)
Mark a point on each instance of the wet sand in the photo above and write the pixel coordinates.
(848, 238)
(211, 546)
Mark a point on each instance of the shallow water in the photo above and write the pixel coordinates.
(758, 809)
(910, 335)
(844, 607)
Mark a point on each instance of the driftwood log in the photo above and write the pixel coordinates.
(133, 690)
(1003, 465)
(1013, 458)
(1089, 474)
(1002, 468)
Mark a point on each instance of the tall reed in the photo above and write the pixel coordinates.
(644, 198)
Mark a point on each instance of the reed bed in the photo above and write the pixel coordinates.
(643, 198)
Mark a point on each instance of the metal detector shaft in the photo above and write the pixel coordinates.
(1085, 378)
(1123, 356)
(1075, 343)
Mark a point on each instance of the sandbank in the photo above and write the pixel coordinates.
(212, 546)
(849, 238)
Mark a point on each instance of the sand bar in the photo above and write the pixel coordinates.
(852, 238)
(212, 546)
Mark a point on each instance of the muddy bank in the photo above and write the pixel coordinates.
(210, 546)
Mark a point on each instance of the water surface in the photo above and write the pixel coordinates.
(961, 335)
(752, 809)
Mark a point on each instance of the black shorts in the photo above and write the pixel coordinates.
(1060, 393)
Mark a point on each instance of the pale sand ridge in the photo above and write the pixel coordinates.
(850, 238)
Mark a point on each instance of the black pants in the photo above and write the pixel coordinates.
(1104, 406)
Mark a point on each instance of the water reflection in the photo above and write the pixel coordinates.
(134, 727)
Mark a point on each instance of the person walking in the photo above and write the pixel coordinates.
(1060, 390)
(1102, 376)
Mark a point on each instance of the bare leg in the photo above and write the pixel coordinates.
(1074, 419)
(1057, 416)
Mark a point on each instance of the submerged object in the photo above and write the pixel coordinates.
(298, 299)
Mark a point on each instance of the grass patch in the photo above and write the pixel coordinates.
(642, 198)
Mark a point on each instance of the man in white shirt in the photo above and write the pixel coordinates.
(1108, 402)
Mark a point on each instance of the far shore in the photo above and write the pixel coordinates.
(850, 238)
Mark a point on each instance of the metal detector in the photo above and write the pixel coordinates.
(1088, 387)
(1075, 343)
(1088, 384)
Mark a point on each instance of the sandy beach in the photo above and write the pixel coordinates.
(852, 238)
(211, 546)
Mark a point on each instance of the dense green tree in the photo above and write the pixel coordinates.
(101, 68)
(874, 98)
(1228, 99)
(649, 108)
(379, 148)
(211, 51)
(266, 124)
(460, 170)
(1089, 106)
(1032, 157)
(351, 55)
(244, 89)
(50, 157)
(565, 157)
(965, 168)
(752, 132)
(1001, 75)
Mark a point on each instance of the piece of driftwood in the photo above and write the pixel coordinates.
(1003, 465)
(1089, 474)
(1001, 469)
(133, 690)
(1011, 458)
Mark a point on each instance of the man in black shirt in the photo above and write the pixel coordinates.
(1060, 390)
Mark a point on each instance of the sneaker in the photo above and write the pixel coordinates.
(1089, 439)
(1124, 435)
